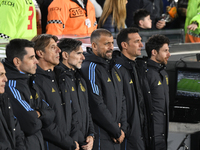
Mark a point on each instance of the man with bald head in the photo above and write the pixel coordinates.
(106, 100)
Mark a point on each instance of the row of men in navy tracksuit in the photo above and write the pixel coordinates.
(61, 103)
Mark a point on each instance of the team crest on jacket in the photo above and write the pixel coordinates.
(73, 88)
(166, 77)
(65, 91)
(108, 80)
(31, 97)
(118, 78)
(82, 88)
(159, 83)
(53, 90)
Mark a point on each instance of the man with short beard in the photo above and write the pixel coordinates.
(72, 83)
(156, 92)
(105, 90)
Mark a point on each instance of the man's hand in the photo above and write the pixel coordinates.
(192, 27)
(121, 138)
(89, 145)
(160, 24)
(77, 146)
(115, 140)
(38, 113)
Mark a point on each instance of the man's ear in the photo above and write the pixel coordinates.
(65, 55)
(94, 46)
(154, 52)
(16, 61)
(124, 45)
(40, 53)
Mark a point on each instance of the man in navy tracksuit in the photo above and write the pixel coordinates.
(129, 43)
(29, 107)
(60, 135)
(105, 87)
(11, 136)
(71, 83)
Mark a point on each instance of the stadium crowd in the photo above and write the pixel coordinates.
(55, 96)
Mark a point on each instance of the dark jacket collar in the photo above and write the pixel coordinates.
(13, 73)
(155, 65)
(124, 61)
(90, 56)
(47, 73)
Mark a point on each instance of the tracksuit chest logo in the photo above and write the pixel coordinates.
(31, 97)
(131, 82)
(65, 91)
(53, 90)
(118, 78)
(159, 83)
(108, 80)
(82, 88)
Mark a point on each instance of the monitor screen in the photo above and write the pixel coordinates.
(188, 83)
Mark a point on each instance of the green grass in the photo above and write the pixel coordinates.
(189, 85)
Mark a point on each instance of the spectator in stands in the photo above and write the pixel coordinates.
(142, 19)
(11, 136)
(154, 82)
(130, 44)
(71, 17)
(105, 91)
(192, 22)
(155, 7)
(113, 16)
(71, 80)
(179, 20)
(181, 10)
(28, 103)
(18, 19)
(132, 6)
(58, 135)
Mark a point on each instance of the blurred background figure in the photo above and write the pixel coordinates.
(71, 17)
(18, 19)
(98, 9)
(38, 17)
(113, 16)
(192, 22)
(155, 7)
(132, 6)
(142, 19)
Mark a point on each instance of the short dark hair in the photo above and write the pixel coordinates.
(140, 14)
(68, 45)
(155, 42)
(123, 35)
(41, 41)
(98, 32)
(16, 48)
